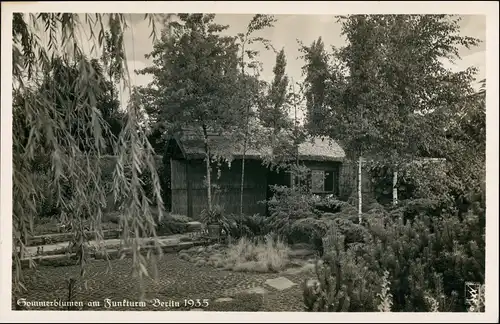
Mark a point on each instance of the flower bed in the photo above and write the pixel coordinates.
(245, 256)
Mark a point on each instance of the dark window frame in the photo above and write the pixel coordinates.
(333, 173)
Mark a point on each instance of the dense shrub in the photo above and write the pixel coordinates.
(329, 204)
(345, 282)
(215, 215)
(302, 217)
(429, 260)
(172, 224)
(307, 230)
(46, 205)
(288, 205)
(249, 226)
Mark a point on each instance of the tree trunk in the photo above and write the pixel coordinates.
(208, 169)
(242, 179)
(395, 188)
(295, 124)
(242, 184)
(360, 189)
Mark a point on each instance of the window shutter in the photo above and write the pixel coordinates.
(317, 181)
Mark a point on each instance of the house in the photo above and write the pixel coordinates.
(188, 169)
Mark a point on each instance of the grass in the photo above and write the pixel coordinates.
(268, 256)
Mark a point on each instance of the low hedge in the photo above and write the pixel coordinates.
(172, 224)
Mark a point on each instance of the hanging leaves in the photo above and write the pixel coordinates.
(56, 118)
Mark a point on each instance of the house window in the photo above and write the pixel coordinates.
(321, 181)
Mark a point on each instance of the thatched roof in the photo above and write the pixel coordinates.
(314, 148)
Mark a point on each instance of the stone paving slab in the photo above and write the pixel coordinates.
(280, 283)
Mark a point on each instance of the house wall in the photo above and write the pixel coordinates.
(349, 180)
(179, 188)
(189, 193)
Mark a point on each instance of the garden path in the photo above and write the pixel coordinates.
(177, 281)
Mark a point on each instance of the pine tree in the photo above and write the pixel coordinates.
(273, 113)
(316, 71)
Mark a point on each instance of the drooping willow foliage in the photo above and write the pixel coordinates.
(59, 135)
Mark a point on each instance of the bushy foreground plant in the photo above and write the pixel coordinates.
(345, 281)
(302, 217)
(428, 259)
(248, 226)
(290, 203)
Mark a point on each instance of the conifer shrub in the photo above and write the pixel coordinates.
(250, 226)
(429, 260)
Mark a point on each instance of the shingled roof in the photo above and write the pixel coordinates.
(314, 148)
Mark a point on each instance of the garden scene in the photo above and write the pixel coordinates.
(359, 188)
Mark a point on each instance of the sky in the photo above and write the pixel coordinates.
(285, 33)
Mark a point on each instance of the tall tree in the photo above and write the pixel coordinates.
(284, 140)
(50, 135)
(353, 81)
(113, 51)
(416, 83)
(195, 76)
(274, 111)
(316, 71)
(247, 59)
(388, 88)
(465, 149)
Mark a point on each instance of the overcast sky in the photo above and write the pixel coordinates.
(284, 34)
